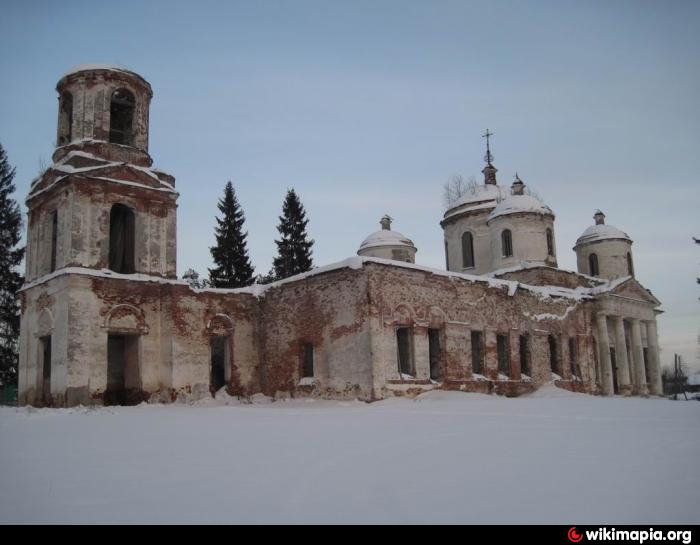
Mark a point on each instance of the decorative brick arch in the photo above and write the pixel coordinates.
(126, 318)
(45, 323)
(220, 324)
(436, 317)
(404, 314)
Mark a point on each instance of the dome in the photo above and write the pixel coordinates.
(600, 232)
(388, 244)
(519, 204)
(386, 237)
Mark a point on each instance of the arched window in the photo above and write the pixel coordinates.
(65, 119)
(467, 250)
(121, 239)
(507, 243)
(550, 243)
(593, 265)
(121, 115)
(630, 266)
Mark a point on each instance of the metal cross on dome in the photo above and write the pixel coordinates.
(488, 157)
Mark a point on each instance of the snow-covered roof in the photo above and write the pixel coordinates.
(481, 196)
(385, 237)
(65, 167)
(357, 262)
(519, 204)
(600, 232)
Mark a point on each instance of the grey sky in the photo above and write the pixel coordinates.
(367, 107)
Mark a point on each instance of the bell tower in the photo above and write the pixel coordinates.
(101, 230)
(100, 205)
(101, 105)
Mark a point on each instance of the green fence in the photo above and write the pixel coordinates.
(8, 395)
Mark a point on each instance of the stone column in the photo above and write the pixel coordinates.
(514, 352)
(623, 375)
(457, 351)
(655, 386)
(421, 352)
(606, 378)
(490, 355)
(640, 384)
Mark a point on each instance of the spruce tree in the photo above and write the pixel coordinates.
(294, 247)
(233, 268)
(10, 278)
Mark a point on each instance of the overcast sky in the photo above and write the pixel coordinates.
(367, 107)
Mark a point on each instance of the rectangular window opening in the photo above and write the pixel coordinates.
(503, 354)
(572, 356)
(524, 355)
(435, 354)
(307, 368)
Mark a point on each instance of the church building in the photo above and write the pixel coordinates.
(105, 319)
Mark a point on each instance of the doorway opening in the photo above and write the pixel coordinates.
(435, 354)
(404, 342)
(123, 375)
(45, 346)
(219, 358)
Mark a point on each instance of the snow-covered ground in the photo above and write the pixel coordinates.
(552, 457)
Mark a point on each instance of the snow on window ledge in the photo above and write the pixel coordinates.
(306, 381)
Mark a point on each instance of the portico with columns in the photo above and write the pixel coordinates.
(627, 340)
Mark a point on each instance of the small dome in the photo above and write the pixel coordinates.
(386, 237)
(602, 231)
(519, 204)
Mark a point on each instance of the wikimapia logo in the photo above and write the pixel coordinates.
(637, 536)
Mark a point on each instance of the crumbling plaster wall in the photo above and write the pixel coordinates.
(83, 208)
(529, 239)
(475, 223)
(329, 311)
(45, 312)
(92, 94)
(612, 257)
(424, 300)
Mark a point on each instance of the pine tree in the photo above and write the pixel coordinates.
(10, 279)
(233, 268)
(294, 248)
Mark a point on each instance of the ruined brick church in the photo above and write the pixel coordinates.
(106, 321)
